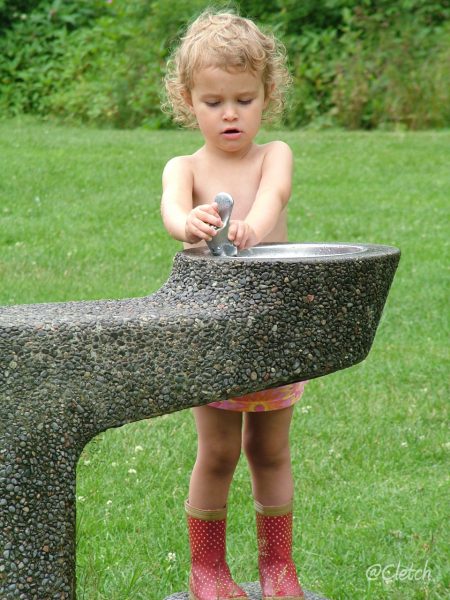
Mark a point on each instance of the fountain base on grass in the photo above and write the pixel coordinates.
(253, 591)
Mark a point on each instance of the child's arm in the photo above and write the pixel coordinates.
(271, 198)
(183, 222)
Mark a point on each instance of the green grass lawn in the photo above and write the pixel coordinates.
(79, 219)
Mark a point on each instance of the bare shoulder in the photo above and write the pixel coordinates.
(277, 149)
(177, 174)
(178, 165)
(277, 156)
(277, 169)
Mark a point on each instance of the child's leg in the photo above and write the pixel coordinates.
(219, 447)
(266, 445)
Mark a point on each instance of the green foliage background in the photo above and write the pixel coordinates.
(366, 64)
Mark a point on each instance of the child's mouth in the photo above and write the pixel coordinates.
(232, 133)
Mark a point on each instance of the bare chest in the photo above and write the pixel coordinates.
(240, 180)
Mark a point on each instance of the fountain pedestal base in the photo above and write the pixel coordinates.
(252, 589)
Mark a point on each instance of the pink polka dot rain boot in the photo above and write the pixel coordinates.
(277, 573)
(210, 577)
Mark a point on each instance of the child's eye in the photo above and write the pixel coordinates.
(246, 101)
(212, 103)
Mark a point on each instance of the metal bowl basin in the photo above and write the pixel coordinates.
(300, 250)
(314, 252)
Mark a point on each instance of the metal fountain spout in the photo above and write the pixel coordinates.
(220, 245)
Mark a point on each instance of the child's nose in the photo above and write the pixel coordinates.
(229, 113)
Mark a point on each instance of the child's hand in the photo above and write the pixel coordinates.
(201, 221)
(242, 235)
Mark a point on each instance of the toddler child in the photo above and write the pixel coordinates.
(224, 78)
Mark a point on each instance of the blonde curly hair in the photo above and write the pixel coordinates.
(228, 41)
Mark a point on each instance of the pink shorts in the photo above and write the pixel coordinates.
(271, 399)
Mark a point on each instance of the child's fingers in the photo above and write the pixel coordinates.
(203, 221)
(208, 214)
(201, 226)
(203, 230)
(232, 231)
(239, 233)
(210, 219)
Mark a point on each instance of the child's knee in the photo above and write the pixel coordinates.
(267, 453)
(220, 459)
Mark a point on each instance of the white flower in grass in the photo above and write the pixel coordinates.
(132, 471)
(332, 452)
(109, 502)
(171, 559)
(138, 449)
(114, 464)
(81, 498)
(305, 409)
(404, 444)
(86, 463)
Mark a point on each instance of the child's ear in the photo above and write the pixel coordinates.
(187, 97)
(268, 95)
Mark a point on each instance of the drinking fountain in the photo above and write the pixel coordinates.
(221, 326)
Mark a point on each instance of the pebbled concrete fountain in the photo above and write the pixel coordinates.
(219, 327)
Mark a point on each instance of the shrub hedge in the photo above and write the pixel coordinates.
(366, 64)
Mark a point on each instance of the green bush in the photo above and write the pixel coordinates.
(33, 50)
(11, 10)
(355, 64)
(395, 73)
(106, 71)
(375, 70)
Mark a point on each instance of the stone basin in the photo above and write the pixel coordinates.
(219, 327)
(314, 307)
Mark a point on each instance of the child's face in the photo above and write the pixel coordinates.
(228, 106)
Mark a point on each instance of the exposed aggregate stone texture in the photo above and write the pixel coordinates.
(218, 328)
(253, 591)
